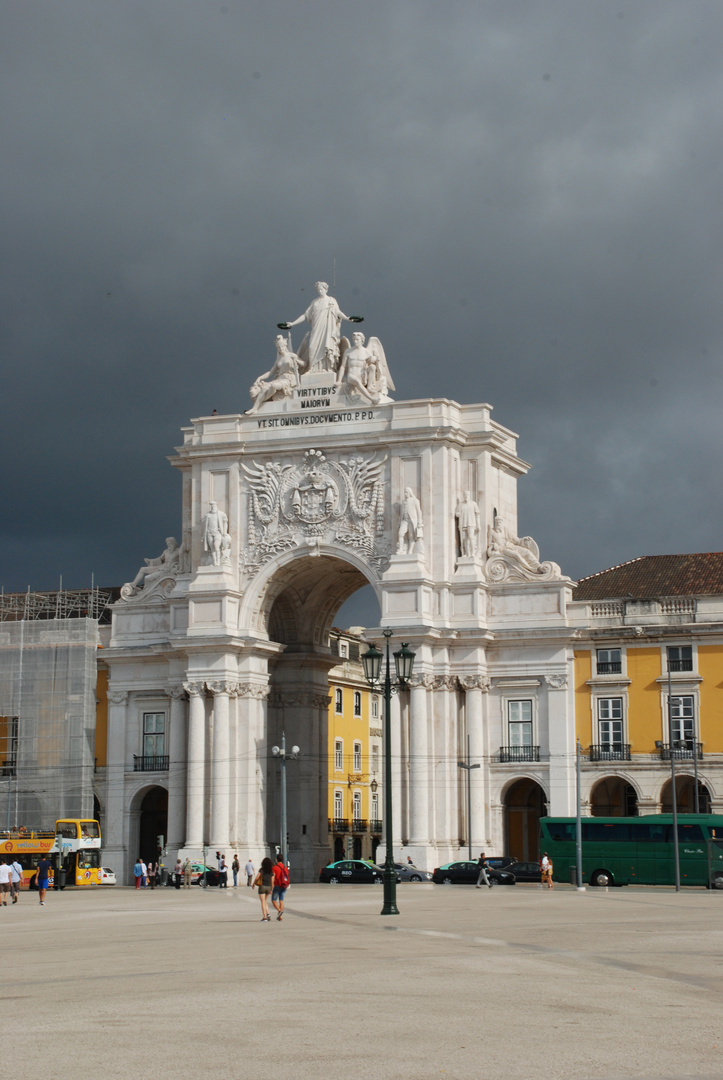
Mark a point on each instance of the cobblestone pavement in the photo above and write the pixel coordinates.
(508, 982)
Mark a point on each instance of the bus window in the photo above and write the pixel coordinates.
(693, 834)
(88, 860)
(594, 830)
(67, 829)
(560, 830)
(90, 829)
(645, 833)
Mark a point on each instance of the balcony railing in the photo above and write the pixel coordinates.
(376, 825)
(156, 763)
(339, 824)
(681, 665)
(613, 751)
(609, 667)
(359, 825)
(519, 753)
(683, 750)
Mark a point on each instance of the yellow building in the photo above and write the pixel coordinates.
(355, 753)
(651, 634)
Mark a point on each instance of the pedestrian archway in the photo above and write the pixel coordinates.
(153, 822)
(613, 796)
(525, 803)
(685, 796)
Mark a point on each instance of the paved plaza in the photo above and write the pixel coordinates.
(508, 982)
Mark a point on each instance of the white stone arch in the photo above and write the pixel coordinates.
(615, 778)
(521, 821)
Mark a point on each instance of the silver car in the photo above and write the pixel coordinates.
(410, 872)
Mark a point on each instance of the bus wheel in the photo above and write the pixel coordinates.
(717, 882)
(601, 878)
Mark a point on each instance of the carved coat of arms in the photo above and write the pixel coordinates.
(316, 501)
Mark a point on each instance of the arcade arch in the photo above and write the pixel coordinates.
(685, 796)
(525, 803)
(613, 796)
(148, 821)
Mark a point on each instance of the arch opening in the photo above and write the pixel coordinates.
(525, 803)
(684, 796)
(613, 796)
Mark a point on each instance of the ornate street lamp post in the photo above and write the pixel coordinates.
(404, 663)
(281, 753)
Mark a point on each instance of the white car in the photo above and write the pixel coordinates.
(107, 876)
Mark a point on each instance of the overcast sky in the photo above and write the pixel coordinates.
(522, 198)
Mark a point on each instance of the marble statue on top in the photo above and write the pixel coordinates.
(281, 380)
(319, 351)
(410, 536)
(515, 558)
(216, 538)
(363, 370)
(468, 522)
(157, 576)
(328, 371)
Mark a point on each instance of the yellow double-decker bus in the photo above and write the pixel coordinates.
(73, 847)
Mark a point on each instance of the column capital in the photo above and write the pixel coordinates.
(253, 690)
(223, 686)
(118, 697)
(556, 682)
(475, 682)
(195, 689)
(425, 681)
(175, 692)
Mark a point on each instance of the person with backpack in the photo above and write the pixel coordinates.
(281, 884)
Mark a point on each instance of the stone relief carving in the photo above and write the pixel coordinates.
(216, 538)
(427, 681)
(468, 523)
(253, 690)
(556, 682)
(445, 682)
(195, 689)
(307, 699)
(158, 577)
(313, 501)
(363, 371)
(410, 537)
(280, 381)
(175, 692)
(118, 697)
(223, 686)
(511, 558)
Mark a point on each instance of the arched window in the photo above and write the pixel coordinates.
(357, 703)
(338, 701)
(338, 754)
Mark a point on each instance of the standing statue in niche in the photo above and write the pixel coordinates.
(165, 566)
(216, 539)
(468, 520)
(319, 351)
(281, 380)
(411, 526)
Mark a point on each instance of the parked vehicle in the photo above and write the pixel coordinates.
(525, 871)
(355, 871)
(466, 873)
(409, 872)
(107, 876)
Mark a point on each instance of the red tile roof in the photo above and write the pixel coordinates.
(653, 576)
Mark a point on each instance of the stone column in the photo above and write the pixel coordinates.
(561, 733)
(196, 764)
(395, 721)
(419, 761)
(474, 687)
(177, 769)
(114, 843)
(221, 771)
(251, 742)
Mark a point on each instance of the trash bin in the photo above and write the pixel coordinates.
(573, 875)
(59, 879)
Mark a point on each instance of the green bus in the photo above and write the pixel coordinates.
(637, 850)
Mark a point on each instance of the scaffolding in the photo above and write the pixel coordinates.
(48, 679)
(90, 603)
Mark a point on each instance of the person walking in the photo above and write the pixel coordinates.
(235, 867)
(187, 869)
(249, 871)
(138, 872)
(151, 875)
(16, 879)
(264, 880)
(546, 868)
(5, 881)
(222, 873)
(42, 876)
(482, 875)
(177, 873)
(281, 884)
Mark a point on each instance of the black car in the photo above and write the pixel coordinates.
(525, 871)
(466, 873)
(355, 871)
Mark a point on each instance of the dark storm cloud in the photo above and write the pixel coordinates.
(522, 199)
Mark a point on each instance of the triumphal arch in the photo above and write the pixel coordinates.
(327, 483)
